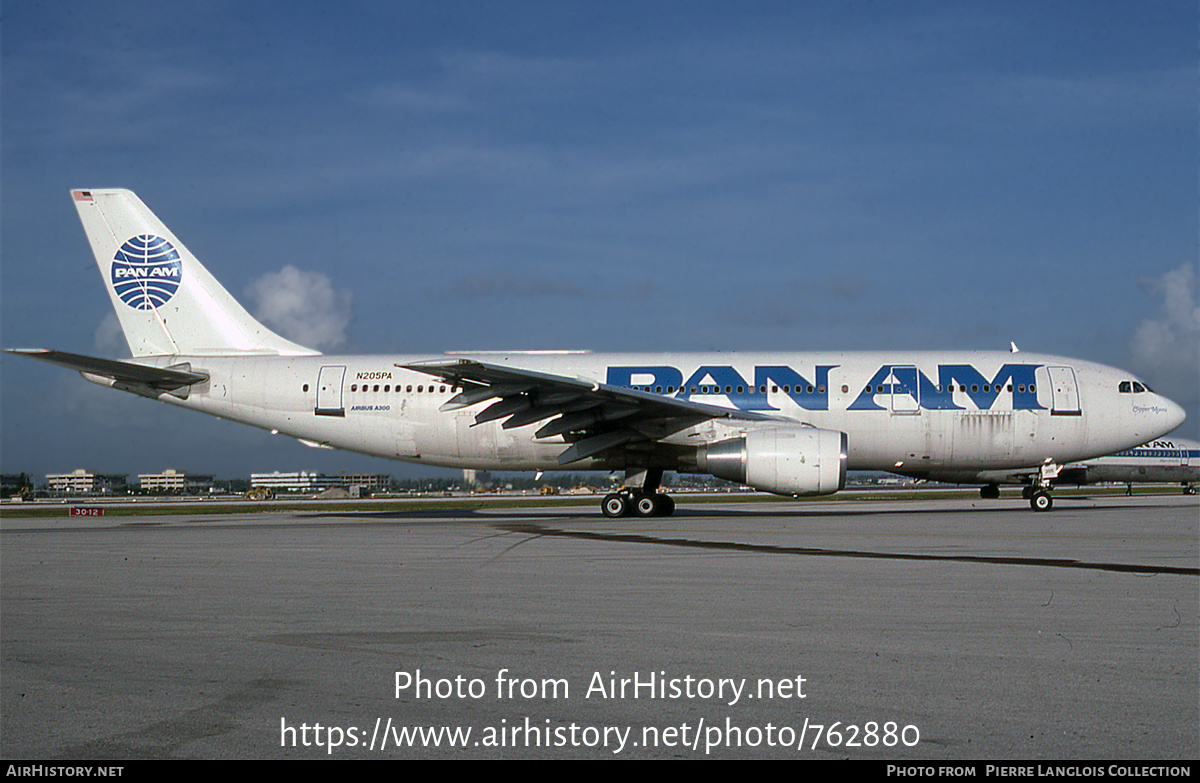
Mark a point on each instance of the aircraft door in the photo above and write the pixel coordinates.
(329, 391)
(1066, 393)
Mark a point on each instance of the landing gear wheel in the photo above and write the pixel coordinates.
(1041, 500)
(647, 505)
(656, 505)
(615, 505)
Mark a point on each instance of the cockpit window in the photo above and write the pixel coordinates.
(1138, 388)
(1126, 387)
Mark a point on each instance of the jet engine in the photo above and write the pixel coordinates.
(783, 460)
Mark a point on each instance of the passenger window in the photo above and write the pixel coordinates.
(354, 387)
(306, 387)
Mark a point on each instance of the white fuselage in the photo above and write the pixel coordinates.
(920, 413)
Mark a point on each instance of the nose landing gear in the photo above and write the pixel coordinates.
(1040, 500)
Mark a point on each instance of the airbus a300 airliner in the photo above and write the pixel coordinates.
(787, 423)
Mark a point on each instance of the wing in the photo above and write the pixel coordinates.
(594, 417)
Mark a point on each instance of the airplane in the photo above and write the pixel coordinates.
(1161, 461)
(786, 423)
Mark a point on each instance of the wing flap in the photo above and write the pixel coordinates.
(597, 417)
(590, 447)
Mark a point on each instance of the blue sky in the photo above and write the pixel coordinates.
(612, 176)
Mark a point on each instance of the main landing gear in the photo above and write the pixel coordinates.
(624, 503)
(639, 496)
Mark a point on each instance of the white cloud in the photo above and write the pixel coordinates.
(1166, 348)
(303, 307)
(110, 340)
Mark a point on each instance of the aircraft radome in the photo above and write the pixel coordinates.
(787, 423)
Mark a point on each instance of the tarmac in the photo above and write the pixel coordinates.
(925, 629)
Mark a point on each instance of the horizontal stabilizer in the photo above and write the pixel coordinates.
(162, 378)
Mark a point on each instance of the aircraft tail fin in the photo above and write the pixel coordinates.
(165, 299)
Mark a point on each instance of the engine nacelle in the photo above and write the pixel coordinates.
(783, 460)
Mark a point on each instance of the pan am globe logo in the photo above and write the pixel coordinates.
(146, 272)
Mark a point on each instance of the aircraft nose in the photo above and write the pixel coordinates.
(1175, 414)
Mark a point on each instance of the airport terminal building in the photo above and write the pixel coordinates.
(171, 480)
(318, 482)
(86, 482)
